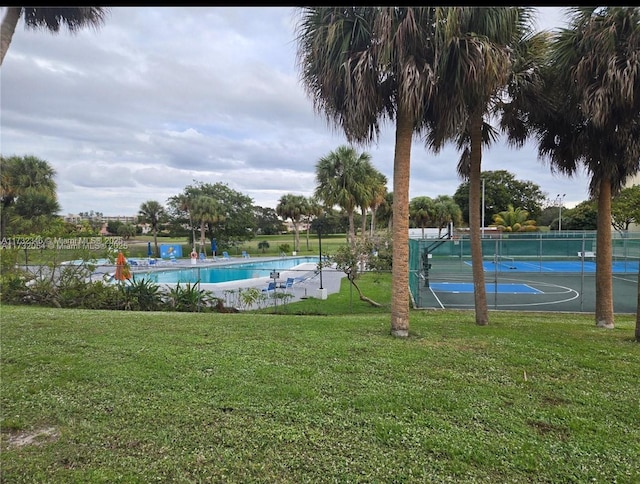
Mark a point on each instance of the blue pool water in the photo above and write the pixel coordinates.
(225, 273)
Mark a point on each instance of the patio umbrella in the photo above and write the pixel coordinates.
(214, 247)
(122, 271)
(149, 251)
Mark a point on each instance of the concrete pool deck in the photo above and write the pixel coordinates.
(306, 275)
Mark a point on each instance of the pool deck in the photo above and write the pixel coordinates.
(306, 274)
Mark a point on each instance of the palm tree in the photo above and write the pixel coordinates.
(205, 210)
(422, 211)
(514, 220)
(378, 198)
(314, 210)
(183, 204)
(152, 212)
(293, 207)
(592, 120)
(446, 211)
(22, 176)
(371, 179)
(49, 18)
(477, 57)
(341, 180)
(361, 65)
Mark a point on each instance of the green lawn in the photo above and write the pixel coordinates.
(183, 397)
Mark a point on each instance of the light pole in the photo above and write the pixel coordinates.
(483, 207)
(322, 292)
(320, 251)
(559, 203)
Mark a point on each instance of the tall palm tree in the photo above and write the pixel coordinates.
(446, 211)
(370, 183)
(341, 180)
(183, 203)
(206, 210)
(362, 65)
(293, 207)
(592, 119)
(152, 212)
(49, 18)
(477, 57)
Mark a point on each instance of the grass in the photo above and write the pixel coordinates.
(177, 397)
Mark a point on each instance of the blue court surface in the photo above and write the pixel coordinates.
(467, 287)
(509, 265)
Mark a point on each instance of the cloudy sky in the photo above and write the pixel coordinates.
(160, 97)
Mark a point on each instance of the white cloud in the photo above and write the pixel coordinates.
(162, 96)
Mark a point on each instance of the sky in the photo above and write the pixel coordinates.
(160, 98)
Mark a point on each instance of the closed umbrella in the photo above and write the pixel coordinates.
(149, 251)
(122, 271)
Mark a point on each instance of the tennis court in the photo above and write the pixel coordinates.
(520, 281)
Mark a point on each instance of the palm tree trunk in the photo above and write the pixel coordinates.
(400, 257)
(373, 221)
(363, 235)
(203, 229)
(296, 237)
(604, 272)
(352, 228)
(479, 289)
(7, 29)
(155, 241)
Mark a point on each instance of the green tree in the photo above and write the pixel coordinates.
(446, 211)
(591, 120)
(126, 231)
(501, 189)
(340, 178)
(153, 213)
(349, 258)
(371, 180)
(48, 18)
(267, 221)
(625, 208)
(237, 217)
(514, 220)
(27, 194)
(583, 216)
(206, 211)
(362, 65)
(293, 207)
(422, 212)
(263, 245)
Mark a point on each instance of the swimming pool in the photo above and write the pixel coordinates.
(224, 273)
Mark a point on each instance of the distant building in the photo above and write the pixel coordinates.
(105, 219)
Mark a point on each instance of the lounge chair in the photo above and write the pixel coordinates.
(270, 287)
(288, 285)
(225, 255)
(245, 255)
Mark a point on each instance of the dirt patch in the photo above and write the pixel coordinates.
(34, 437)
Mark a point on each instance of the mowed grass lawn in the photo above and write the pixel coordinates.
(98, 396)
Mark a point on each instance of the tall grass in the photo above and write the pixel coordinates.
(174, 397)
